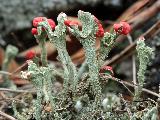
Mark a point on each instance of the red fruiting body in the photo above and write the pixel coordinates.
(122, 28)
(67, 22)
(70, 23)
(40, 19)
(37, 20)
(100, 31)
(51, 23)
(106, 69)
(30, 55)
(34, 31)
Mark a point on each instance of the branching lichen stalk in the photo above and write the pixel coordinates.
(41, 79)
(107, 43)
(41, 38)
(93, 67)
(11, 52)
(144, 55)
(87, 39)
(58, 39)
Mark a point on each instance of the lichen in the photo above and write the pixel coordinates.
(82, 97)
(144, 55)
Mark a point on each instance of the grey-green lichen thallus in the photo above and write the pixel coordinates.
(82, 96)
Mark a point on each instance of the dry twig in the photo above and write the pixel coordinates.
(17, 91)
(7, 116)
(131, 85)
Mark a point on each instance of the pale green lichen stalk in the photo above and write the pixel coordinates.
(106, 45)
(41, 79)
(58, 39)
(88, 40)
(144, 55)
(41, 38)
(10, 54)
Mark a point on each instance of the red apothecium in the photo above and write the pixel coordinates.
(100, 32)
(30, 55)
(122, 28)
